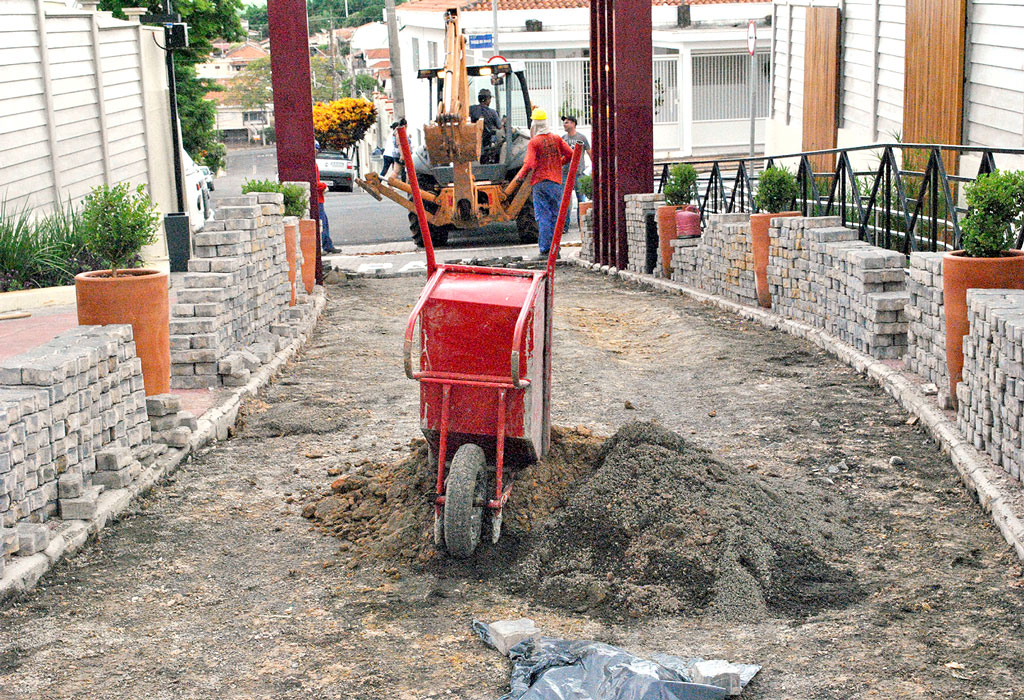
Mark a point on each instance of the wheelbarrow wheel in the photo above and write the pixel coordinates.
(464, 498)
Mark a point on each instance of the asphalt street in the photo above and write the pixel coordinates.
(356, 218)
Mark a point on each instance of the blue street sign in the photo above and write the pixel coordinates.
(481, 41)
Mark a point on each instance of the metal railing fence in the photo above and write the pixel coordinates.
(909, 201)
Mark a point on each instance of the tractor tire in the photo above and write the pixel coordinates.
(526, 224)
(465, 497)
(438, 234)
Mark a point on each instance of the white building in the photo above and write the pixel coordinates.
(701, 104)
(941, 71)
(83, 102)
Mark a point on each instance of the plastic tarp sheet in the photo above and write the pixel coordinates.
(545, 668)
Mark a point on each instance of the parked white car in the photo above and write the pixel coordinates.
(197, 195)
(208, 176)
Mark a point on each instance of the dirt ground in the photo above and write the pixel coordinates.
(216, 586)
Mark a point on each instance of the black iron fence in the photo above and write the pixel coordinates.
(900, 196)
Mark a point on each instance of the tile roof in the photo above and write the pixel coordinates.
(470, 5)
(376, 53)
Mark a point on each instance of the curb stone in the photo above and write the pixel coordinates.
(992, 488)
(69, 536)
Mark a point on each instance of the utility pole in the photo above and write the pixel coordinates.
(334, 94)
(394, 55)
(494, 21)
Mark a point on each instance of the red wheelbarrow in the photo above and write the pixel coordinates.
(479, 342)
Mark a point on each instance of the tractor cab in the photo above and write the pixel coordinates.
(503, 145)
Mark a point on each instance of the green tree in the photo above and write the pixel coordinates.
(252, 87)
(207, 20)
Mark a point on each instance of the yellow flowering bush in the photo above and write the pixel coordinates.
(342, 123)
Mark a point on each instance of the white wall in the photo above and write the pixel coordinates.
(994, 75)
(80, 108)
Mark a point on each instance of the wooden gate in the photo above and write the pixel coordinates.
(933, 93)
(821, 85)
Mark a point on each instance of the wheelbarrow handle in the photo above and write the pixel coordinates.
(518, 336)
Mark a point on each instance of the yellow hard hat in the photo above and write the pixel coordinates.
(538, 113)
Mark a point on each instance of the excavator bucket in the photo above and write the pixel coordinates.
(454, 143)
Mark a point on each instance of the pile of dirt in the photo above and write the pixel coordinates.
(386, 509)
(662, 527)
(644, 523)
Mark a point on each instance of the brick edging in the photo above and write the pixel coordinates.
(975, 468)
(23, 573)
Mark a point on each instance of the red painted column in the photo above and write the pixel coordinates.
(623, 114)
(634, 110)
(293, 102)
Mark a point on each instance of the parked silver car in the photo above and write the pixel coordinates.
(337, 170)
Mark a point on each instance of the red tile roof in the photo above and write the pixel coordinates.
(376, 53)
(470, 5)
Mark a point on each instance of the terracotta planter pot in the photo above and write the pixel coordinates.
(666, 233)
(960, 273)
(139, 298)
(759, 241)
(291, 251)
(307, 240)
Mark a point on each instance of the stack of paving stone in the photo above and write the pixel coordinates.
(926, 337)
(63, 404)
(587, 237)
(820, 274)
(171, 426)
(639, 207)
(990, 398)
(685, 254)
(723, 262)
(237, 286)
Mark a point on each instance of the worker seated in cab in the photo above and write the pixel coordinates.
(491, 150)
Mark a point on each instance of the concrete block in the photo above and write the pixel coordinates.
(162, 404)
(32, 538)
(507, 633)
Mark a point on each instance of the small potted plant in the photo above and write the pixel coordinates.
(995, 209)
(116, 223)
(680, 187)
(587, 188)
(777, 190)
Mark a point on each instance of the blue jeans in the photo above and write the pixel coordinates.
(547, 197)
(325, 230)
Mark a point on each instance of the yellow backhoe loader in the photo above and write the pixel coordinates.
(465, 167)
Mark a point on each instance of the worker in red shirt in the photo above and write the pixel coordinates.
(545, 155)
(326, 245)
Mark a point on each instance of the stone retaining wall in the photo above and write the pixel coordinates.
(991, 396)
(926, 337)
(73, 421)
(820, 274)
(236, 296)
(721, 261)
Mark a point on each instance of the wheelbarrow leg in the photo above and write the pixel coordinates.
(499, 470)
(442, 449)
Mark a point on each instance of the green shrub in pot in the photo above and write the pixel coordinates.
(681, 184)
(116, 223)
(995, 210)
(776, 190)
(587, 186)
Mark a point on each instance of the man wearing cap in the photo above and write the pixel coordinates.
(492, 123)
(545, 156)
(571, 138)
